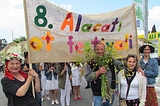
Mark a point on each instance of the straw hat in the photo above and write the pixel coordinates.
(151, 46)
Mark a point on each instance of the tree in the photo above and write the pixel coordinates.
(20, 39)
(153, 29)
(3, 43)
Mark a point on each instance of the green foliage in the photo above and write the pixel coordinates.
(20, 39)
(109, 53)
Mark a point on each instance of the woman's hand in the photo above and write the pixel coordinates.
(31, 72)
(70, 77)
(25, 68)
(141, 71)
(65, 66)
(30, 78)
(52, 68)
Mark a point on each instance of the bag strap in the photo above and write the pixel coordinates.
(129, 83)
(145, 66)
(127, 91)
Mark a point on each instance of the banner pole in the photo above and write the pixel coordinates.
(30, 64)
(33, 90)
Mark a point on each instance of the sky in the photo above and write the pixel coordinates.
(13, 22)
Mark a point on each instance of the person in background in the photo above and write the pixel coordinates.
(1, 67)
(64, 82)
(132, 85)
(151, 70)
(25, 68)
(52, 82)
(25, 65)
(17, 85)
(4, 67)
(76, 79)
(43, 82)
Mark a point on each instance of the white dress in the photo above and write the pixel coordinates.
(52, 84)
(43, 77)
(43, 81)
(76, 73)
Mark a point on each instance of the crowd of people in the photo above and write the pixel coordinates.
(136, 80)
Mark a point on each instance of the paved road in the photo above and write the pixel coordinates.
(86, 94)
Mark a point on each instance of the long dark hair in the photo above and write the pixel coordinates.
(49, 65)
(62, 64)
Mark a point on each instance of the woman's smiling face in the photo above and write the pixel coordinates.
(131, 63)
(147, 51)
(14, 66)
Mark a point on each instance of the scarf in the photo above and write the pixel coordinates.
(129, 75)
(10, 76)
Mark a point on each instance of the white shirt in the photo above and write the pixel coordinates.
(133, 90)
(42, 64)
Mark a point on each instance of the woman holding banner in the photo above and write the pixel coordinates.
(17, 85)
(64, 82)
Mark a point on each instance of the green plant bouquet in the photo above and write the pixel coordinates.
(92, 58)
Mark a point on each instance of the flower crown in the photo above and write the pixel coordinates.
(148, 44)
(13, 56)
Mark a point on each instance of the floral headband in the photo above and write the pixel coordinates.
(149, 44)
(10, 57)
(13, 56)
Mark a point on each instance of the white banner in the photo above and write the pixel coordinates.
(57, 35)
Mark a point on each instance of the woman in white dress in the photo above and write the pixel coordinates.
(43, 82)
(52, 82)
(76, 79)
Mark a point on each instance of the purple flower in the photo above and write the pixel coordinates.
(94, 82)
(92, 60)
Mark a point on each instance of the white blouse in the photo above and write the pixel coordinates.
(133, 90)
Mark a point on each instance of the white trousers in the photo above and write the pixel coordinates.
(43, 82)
(66, 93)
